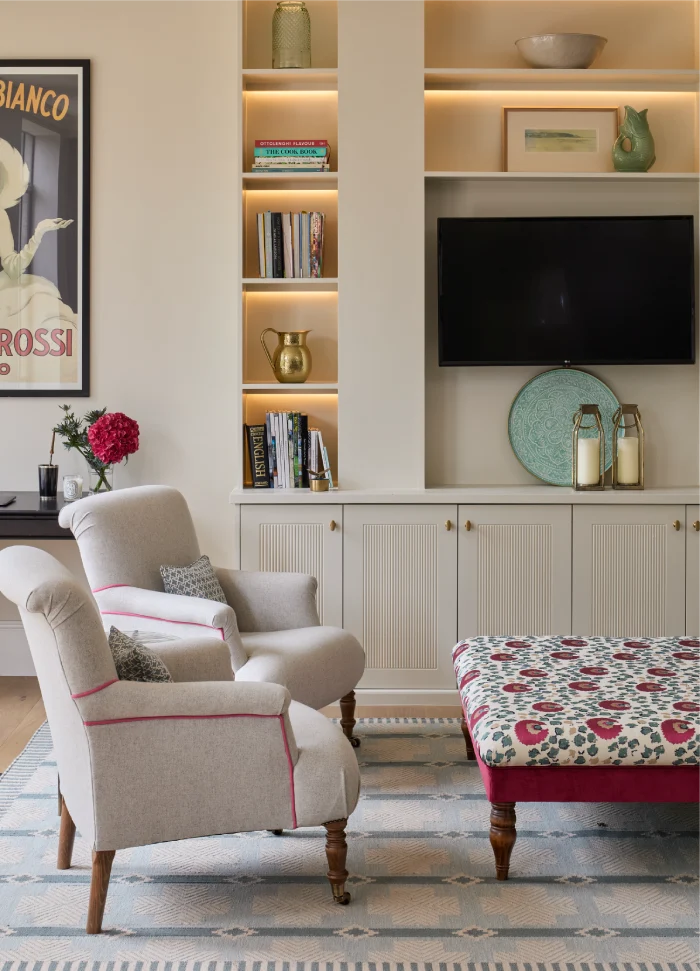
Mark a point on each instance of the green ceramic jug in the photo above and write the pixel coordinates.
(641, 155)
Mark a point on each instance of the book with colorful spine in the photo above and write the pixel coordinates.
(291, 155)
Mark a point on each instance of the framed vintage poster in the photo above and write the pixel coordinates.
(44, 227)
(559, 139)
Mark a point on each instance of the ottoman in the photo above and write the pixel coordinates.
(579, 719)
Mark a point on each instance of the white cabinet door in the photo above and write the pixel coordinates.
(692, 571)
(400, 593)
(298, 539)
(629, 570)
(514, 570)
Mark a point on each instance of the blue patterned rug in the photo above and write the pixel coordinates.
(592, 888)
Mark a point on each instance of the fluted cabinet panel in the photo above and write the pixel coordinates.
(514, 579)
(294, 548)
(400, 596)
(692, 574)
(629, 580)
(304, 540)
(629, 571)
(514, 570)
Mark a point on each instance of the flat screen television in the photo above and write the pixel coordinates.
(581, 290)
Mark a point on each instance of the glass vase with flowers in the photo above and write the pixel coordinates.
(103, 439)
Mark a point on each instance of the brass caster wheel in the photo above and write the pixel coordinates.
(355, 742)
(343, 899)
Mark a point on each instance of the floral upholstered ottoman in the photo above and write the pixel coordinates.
(601, 719)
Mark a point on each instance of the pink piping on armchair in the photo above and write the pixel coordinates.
(92, 691)
(110, 586)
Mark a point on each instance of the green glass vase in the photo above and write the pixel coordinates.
(634, 130)
(291, 35)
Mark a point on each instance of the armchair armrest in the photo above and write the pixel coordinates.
(156, 611)
(270, 601)
(176, 761)
(124, 701)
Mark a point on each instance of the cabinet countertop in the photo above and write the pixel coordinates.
(466, 495)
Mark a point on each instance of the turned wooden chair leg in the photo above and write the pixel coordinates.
(336, 852)
(502, 835)
(468, 739)
(101, 869)
(66, 838)
(347, 718)
(58, 793)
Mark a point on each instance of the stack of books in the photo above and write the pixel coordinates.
(291, 155)
(290, 244)
(283, 450)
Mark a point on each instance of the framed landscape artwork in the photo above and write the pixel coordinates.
(44, 227)
(559, 139)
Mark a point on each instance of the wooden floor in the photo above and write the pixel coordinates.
(22, 712)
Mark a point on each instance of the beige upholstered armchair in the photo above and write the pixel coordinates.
(143, 763)
(271, 626)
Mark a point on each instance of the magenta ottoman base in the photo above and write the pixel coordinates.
(613, 783)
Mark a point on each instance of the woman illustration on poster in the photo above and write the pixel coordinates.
(28, 303)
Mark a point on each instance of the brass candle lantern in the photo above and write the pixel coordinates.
(588, 451)
(628, 449)
(319, 481)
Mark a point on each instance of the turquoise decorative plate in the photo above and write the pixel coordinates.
(541, 421)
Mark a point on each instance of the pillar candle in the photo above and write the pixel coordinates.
(588, 461)
(627, 461)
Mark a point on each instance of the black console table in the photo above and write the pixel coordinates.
(30, 517)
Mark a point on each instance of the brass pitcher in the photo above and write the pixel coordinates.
(291, 359)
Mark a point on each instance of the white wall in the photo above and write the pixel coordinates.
(164, 246)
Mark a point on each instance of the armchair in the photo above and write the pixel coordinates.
(270, 625)
(143, 763)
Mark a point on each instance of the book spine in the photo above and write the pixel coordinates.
(288, 151)
(268, 445)
(277, 246)
(273, 464)
(287, 240)
(261, 243)
(295, 449)
(267, 217)
(291, 143)
(305, 451)
(297, 244)
(298, 169)
(313, 450)
(316, 242)
(327, 465)
(305, 244)
(259, 469)
(290, 447)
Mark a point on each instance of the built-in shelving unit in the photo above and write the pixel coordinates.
(472, 69)
(289, 104)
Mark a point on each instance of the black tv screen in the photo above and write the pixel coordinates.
(596, 290)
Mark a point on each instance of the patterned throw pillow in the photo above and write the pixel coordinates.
(133, 661)
(196, 580)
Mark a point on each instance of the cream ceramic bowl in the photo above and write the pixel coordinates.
(561, 50)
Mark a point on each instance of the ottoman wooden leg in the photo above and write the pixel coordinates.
(467, 739)
(502, 835)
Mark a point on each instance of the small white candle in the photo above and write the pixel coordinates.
(627, 461)
(588, 460)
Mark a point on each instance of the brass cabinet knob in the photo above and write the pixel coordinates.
(448, 525)
(331, 525)
(468, 525)
(676, 524)
(696, 525)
